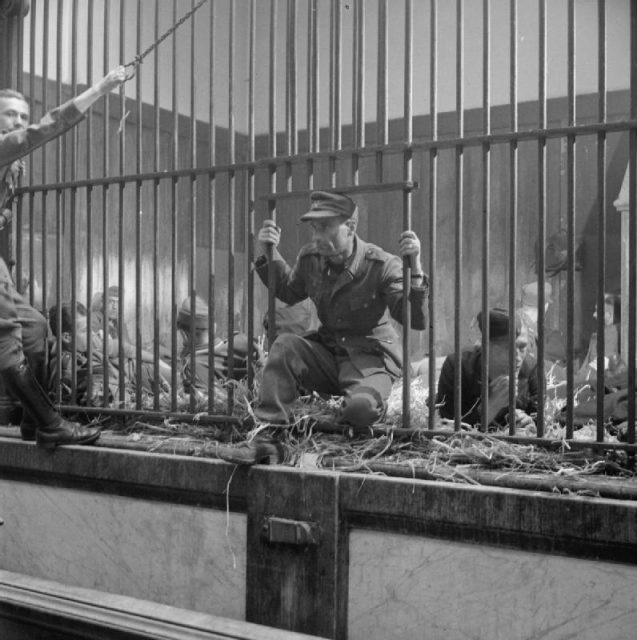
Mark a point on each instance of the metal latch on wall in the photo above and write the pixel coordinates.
(285, 531)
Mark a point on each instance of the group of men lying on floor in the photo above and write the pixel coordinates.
(114, 359)
(355, 350)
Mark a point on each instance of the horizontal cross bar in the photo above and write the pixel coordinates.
(397, 147)
(359, 188)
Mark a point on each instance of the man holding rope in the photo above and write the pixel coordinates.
(23, 329)
(357, 288)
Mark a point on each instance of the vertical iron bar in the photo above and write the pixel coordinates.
(121, 213)
(513, 197)
(335, 86)
(272, 168)
(601, 213)
(17, 230)
(358, 95)
(43, 168)
(382, 136)
(486, 215)
(192, 267)
(32, 273)
(570, 223)
(213, 210)
(59, 204)
(459, 172)
(19, 204)
(433, 207)
(250, 235)
(356, 71)
(359, 71)
(138, 225)
(632, 229)
(290, 86)
(231, 206)
(105, 216)
(73, 203)
(541, 208)
(312, 91)
(407, 207)
(291, 99)
(19, 81)
(175, 210)
(312, 75)
(89, 204)
(156, 206)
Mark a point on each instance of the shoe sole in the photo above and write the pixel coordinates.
(51, 445)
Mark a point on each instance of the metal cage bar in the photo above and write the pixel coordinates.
(486, 214)
(513, 198)
(433, 208)
(601, 217)
(459, 207)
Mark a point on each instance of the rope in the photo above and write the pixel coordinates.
(140, 56)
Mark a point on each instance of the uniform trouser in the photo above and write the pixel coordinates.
(296, 363)
(23, 329)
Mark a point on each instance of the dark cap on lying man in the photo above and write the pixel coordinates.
(500, 324)
(329, 204)
(184, 317)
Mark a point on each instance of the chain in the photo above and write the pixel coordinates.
(140, 56)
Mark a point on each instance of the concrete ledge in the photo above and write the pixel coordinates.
(164, 476)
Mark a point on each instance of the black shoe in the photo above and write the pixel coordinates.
(66, 433)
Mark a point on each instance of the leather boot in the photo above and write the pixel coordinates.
(37, 363)
(52, 429)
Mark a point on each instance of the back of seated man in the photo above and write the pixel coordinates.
(471, 377)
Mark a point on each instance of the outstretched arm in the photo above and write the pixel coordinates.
(19, 142)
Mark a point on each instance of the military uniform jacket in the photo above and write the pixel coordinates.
(15, 144)
(355, 306)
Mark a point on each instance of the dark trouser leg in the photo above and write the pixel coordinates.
(294, 363)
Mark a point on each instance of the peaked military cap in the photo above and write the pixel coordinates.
(329, 204)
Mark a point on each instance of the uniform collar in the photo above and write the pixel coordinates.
(352, 264)
(326, 267)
